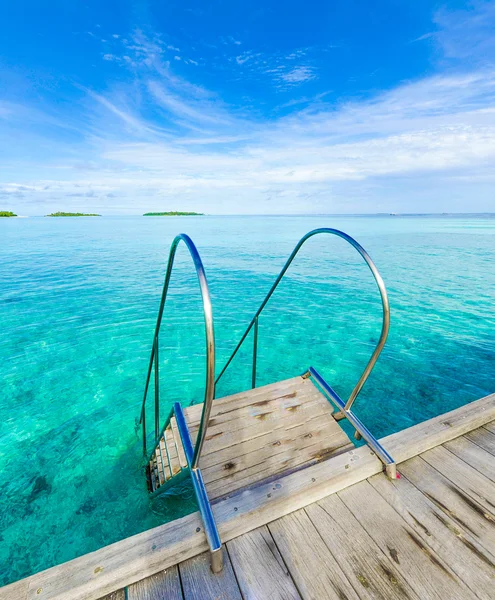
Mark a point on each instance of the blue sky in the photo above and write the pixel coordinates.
(235, 108)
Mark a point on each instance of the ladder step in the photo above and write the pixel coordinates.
(160, 466)
(172, 451)
(152, 474)
(168, 459)
(165, 459)
(178, 443)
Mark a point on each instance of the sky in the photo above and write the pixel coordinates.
(228, 107)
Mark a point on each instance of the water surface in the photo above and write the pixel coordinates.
(78, 303)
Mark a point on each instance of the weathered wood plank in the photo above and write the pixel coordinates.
(263, 465)
(467, 480)
(172, 451)
(121, 564)
(261, 422)
(490, 426)
(147, 553)
(163, 585)
(178, 443)
(265, 392)
(429, 434)
(165, 459)
(229, 412)
(259, 568)
(198, 581)
(371, 572)
(15, 591)
(424, 570)
(160, 466)
(484, 438)
(458, 548)
(118, 595)
(311, 564)
(275, 440)
(468, 515)
(257, 441)
(473, 455)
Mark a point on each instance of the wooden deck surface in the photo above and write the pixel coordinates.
(337, 528)
(265, 432)
(428, 535)
(256, 435)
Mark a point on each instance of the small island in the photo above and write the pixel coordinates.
(173, 214)
(7, 213)
(68, 214)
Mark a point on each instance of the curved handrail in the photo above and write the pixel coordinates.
(210, 345)
(381, 288)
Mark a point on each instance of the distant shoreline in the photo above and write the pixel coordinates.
(489, 215)
(173, 214)
(67, 214)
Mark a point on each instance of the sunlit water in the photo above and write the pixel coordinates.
(78, 302)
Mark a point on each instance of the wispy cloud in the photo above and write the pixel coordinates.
(468, 33)
(280, 68)
(298, 74)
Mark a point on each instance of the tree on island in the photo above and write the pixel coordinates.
(173, 213)
(7, 213)
(68, 214)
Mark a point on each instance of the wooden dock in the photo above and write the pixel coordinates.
(337, 528)
(254, 436)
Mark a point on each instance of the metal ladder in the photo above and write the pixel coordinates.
(176, 422)
(344, 408)
(174, 456)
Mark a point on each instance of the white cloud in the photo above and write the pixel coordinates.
(244, 57)
(426, 139)
(425, 36)
(305, 155)
(467, 34)
(298, 75)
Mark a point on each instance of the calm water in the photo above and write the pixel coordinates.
(78, 302)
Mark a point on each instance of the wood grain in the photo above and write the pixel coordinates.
(484, 438)
(470, 518)
(436, 528)
(172, 451)
(15, 591)
(490, 426)
(371, 572)
(311, 564)
(163, 585)
(424, 570)
(118, 595)
(474, 455)
(247, 443)
(198, 581)
(178, 443)
(467, 480)
(259, 567)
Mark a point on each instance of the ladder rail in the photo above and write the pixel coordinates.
(387, 461)
(210, 350)
(383, 295)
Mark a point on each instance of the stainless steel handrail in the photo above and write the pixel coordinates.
(383, 295)
(210, 350)
(361, 429)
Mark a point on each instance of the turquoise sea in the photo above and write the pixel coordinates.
(78, 303)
